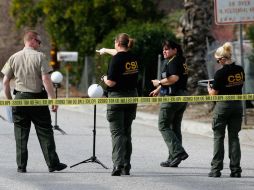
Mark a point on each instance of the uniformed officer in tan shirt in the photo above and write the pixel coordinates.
(31, 73)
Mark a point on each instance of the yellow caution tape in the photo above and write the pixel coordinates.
(124, 100)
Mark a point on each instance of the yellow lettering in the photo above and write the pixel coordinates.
(134, 65)
(238, 77)
(235, 78)
(185, 69)
(231, 78)
(131, 66)
(127, 66)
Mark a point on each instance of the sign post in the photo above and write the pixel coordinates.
(235, 12)
(67, 56)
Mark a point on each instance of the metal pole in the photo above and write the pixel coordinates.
(86, 73)
(56, 110)
(56, 127)
(242, 63)
(159, 67)
(94, 130)
(67, 81)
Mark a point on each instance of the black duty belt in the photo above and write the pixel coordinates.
(34, 93)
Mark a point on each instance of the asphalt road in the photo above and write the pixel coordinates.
(148, 151)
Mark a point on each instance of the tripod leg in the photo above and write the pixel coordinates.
(99, 162)
(85, 161)
(92, 159)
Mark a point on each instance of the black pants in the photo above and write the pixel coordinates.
(40, 117)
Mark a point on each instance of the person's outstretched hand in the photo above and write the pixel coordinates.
(101, 51)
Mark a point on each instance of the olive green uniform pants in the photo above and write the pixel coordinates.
(170, 118)
(227, 114)
(120, 117)
(40, 117)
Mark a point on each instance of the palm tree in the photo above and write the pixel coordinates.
(196, 23)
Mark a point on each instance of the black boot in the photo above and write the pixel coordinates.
(236, 174)
(126, 170)
(21, 170)
(177, 160)
(117, 171)
(214, 174)
(58, 167)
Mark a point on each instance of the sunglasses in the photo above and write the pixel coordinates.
(219, 59)
(38, 41)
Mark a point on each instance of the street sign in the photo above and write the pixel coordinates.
(233, 11)
(67, 56)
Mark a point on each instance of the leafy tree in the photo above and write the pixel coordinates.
(78, 25)
(148, 45)
(81, 24)
(171, 20)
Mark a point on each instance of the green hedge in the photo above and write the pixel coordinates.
(148, 40)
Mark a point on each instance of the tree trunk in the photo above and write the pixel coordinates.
(196, 24)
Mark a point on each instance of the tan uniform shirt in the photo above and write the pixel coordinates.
(27, 67)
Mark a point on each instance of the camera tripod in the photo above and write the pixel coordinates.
(93, 158)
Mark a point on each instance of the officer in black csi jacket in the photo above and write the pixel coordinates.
(227, 80)
(173, 83)
(121, 81)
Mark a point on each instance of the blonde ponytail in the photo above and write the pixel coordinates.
(224, 51)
